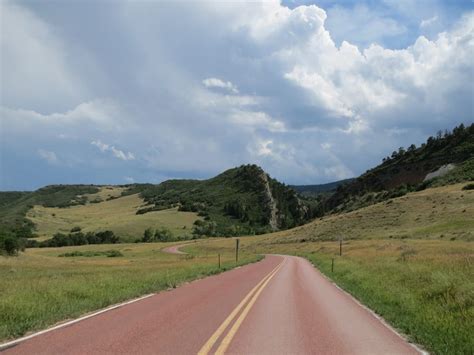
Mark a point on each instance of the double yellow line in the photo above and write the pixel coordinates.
(252, 295)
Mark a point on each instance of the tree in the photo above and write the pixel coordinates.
(163, 235)
(11, 245)
(147, 235)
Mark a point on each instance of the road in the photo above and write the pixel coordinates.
(281, 305)
(175, 249)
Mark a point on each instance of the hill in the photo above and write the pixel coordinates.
(243, 200)
(445, 212)
(448, 157)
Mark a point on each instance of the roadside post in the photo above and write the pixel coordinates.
(340, 245)
(237, 250)
(219, 259)
(332, 265)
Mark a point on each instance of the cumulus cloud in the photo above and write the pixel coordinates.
(119, 154)
(218, 83)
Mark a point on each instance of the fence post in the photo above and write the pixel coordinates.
(237, 250)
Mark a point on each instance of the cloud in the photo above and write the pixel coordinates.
(119, 154)
(287, 88)
(257, 120)
(429, 21)
(218, 83)
(362, 25)
(100, 113)
(35, 66)
(50, 157)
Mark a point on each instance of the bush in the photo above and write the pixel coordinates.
(11, 246)
(75, 229)
(160, 235)
(108, 253)
(72, 239)
(468, 187)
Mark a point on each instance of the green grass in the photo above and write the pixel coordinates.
(425, 289)
(118, 215)
(39, 289)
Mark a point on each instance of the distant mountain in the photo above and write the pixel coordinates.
(321, 189)
(448, 157)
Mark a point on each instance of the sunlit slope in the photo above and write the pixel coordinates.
(436, 213)
(118, 215)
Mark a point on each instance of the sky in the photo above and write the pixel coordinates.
(116, 92)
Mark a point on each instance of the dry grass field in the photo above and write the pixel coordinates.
(118, 215)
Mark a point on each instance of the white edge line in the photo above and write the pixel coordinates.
(378, 317)
(9, 344)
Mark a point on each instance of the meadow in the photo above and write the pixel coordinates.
(42, 287)
(118, 215)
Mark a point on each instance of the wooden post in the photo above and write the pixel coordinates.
(332, 265)
(340, 246)
(219, 258)
(237, 250)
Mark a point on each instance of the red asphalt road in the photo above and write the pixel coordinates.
(174, 249)
(297, 311)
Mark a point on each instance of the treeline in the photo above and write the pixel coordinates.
(75, 238)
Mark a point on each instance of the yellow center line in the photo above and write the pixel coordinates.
(230, 335)
(212, 340)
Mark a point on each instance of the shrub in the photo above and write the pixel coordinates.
(11, 245)
(75, 229)
(468, 187)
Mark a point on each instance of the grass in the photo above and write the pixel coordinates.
(39, 289)
(104, 193)
(118, 215)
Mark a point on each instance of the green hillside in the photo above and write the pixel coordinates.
(406, 169)
(243, 200)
